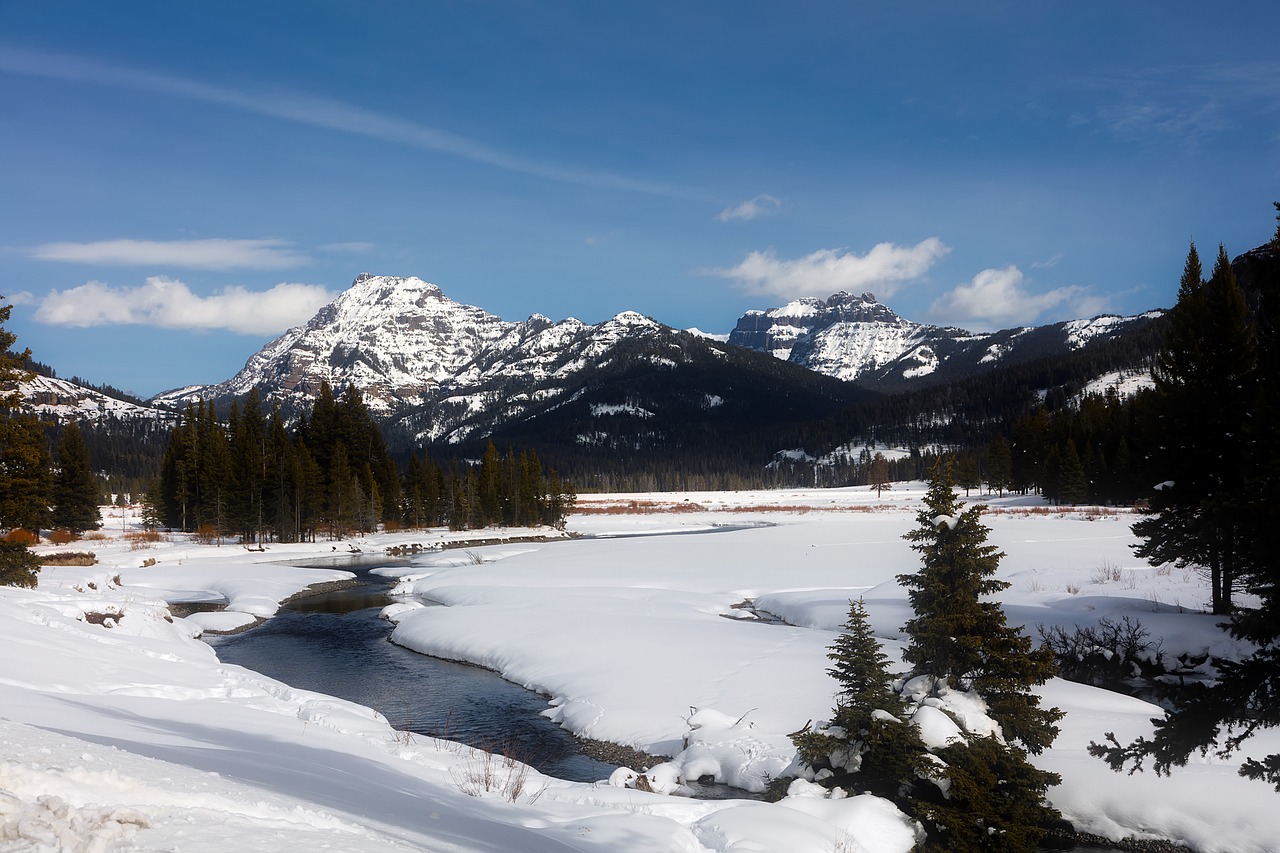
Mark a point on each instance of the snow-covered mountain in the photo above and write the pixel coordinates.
(439, 369)
(61, 400)
(858, 338)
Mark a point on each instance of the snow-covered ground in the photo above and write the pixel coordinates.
(119, 730)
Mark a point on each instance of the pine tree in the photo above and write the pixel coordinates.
(878, 473)
(75, 487)
(960, 640)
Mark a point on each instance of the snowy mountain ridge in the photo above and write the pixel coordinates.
(858, 338)
(440, 370)
(411, 349)
(61, 400)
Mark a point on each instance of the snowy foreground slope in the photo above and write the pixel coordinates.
(120, 731)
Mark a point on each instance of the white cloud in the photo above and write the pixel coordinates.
(822, 273)
(999, 298)
(212, 254)
(750, 209)
(22, 297)
(169, 304)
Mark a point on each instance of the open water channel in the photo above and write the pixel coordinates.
(335, 643)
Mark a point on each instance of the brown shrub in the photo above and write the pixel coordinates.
(142, 539)
(206, 534)
(61, 536)
(19, 536)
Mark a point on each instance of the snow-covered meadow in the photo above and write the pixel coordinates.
(120, 730)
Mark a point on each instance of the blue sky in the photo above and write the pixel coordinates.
(184, 181)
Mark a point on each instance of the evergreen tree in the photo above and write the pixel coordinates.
(18, 566)
(959, 639)
(967, 475)
(999, 465)
(878, 473)
(19, 447)
(1218, 718)
(868, 746)
(75, 487)
(24, 453)
(1205, 388)
(1073, 486)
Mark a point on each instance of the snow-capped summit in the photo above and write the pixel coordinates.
(446, 368)
(846, 336)
(396, 338)
(858, 338)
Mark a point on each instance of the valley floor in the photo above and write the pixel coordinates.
(120, 730)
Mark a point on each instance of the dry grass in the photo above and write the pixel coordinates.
(1088, 513)
(657, 507)
(140, 540)
(488, 771)
(69, 558)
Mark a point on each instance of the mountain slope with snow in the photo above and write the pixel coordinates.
(439, 370)
(62, 400)
(859, 338)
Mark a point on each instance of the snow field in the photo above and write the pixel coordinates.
(121, 731)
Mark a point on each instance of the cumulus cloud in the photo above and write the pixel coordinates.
(22, 297)
(169, 304)
(211, 254)
(822, 273)
(750, 209)
(1000, 298)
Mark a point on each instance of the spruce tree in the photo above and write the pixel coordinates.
(18, 566)
(75, 487)
(1218, 718)
(999, 465)
(24, 453)
(1073, 485)
(959, 639)
(1205, 389)
(868, 746)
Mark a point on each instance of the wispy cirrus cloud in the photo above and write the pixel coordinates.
(752, 208)
(313, 111)
(210, 254)
(170, 304)
(1000, 298)
(883, 270)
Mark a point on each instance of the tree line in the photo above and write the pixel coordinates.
(259, 479)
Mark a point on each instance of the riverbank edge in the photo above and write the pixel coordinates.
(620, 754)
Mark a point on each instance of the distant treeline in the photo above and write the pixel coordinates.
(331, 474)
